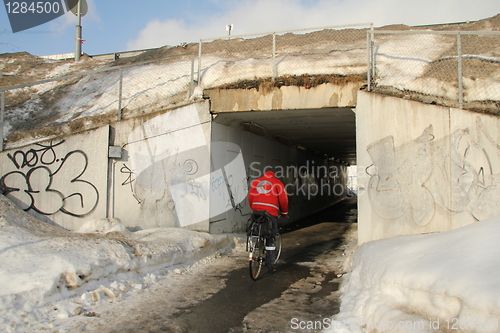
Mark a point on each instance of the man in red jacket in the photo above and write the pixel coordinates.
(267, 193)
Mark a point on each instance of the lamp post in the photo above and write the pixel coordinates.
(79, 8)
(78, 38)
(229, 27)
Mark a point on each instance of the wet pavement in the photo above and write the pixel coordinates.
(218, 295)
(303, 241)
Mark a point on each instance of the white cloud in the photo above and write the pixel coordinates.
(69, 19)
(254, 16)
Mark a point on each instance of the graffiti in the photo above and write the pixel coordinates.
(400, 173)
(217, 185)
(232, 194)
(170, 170)
(238, 191)
(32, 157)
(130, 180)
(241, 192)
(190, 167)
(196, 188)
(126, 170)
(44, 183)
(454, 173)
(239, 208)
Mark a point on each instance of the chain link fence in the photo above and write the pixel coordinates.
(452, 68)
(103, 95)
(245, 59)
(458, 69)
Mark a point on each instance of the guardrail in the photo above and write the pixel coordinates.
(104, 56)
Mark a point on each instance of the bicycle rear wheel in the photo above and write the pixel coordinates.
(255, 257)
(278, 248)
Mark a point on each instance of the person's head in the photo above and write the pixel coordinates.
(269, 173)
(268, 168)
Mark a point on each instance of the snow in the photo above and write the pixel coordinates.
(445, 279)
(48, 273)
(422, 283)
(402, 61)
(425, 283)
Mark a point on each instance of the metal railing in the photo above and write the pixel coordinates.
(452, 68)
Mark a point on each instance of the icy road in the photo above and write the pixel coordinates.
(217, 294)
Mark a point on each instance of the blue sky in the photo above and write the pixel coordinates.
(120, 25)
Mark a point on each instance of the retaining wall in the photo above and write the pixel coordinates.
(144, 171)
(174, 168)
(423, 168)
(162, 178)
(61, 181)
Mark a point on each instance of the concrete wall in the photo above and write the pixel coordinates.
(312, 182)
(423, 168)
(284, 98)
(170, 169)
(61, 181)
(163, 177)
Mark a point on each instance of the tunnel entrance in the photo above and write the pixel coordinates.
(326, 131)
(311, 147)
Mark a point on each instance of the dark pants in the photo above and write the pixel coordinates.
(271, 242)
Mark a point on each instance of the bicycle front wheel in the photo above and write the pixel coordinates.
(256, 259)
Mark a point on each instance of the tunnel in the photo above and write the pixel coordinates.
(309, 150)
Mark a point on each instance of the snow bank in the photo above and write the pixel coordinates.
(49, 273)
(425, 283)
(103, 226)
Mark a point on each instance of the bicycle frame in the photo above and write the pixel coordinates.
(255, 247)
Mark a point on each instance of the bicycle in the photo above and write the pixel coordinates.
(256, 241)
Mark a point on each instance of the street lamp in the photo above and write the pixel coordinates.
(229, 27)
(79, 8)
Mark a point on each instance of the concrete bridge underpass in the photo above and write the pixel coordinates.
(309, 145)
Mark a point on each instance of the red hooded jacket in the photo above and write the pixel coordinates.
(268, 193)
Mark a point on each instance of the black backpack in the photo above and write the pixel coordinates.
(260, 216)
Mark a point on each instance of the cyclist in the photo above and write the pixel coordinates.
(268, 194)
